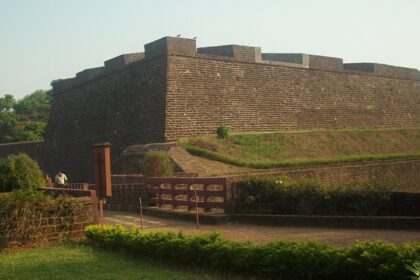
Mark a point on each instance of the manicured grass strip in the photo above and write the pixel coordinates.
(277, 260)
(297, 162)
(86, 262)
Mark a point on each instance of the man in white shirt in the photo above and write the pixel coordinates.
(60, 180)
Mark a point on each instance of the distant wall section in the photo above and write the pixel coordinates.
(33, 149)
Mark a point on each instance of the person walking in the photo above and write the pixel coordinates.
(60, 180)
(48, 181)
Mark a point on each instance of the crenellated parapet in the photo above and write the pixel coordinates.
(89, 74)
(307, 60)
(111, 65)
(177, 46)
(119, 62)
(384, 70)
(170, 46)
(236, 52)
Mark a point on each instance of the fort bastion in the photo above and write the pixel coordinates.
(174, 89)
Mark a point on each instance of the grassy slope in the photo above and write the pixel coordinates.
(80, 262)
(268, 150)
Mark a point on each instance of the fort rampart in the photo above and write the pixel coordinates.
(175, 89)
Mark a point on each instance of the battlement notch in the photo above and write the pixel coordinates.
(170, 45)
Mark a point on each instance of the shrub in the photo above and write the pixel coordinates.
(415, 269)
(276, 260)
(223, 131)
(157, 164)
(20, 172)
(311, 197)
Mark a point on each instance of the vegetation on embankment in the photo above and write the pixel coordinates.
(280, 195)
(296, 148)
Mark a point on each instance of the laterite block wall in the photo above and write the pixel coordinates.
(125, 107)
(204, 93)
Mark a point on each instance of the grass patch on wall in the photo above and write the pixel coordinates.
(297, 148)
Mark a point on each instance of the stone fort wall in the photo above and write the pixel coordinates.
(174, 90)
(34, 149)
(122, 106)
(248, 93)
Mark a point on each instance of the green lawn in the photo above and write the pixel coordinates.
(84, 262)
(279, 149)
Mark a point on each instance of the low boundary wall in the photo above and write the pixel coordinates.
(58, 225)
(89, 201)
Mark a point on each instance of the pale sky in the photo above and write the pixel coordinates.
(44, 40)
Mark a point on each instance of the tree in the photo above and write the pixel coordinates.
(8, 118)
(35, 106)
(7, 103)
(25, 119)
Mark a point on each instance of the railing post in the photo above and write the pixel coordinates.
(159, 194)
(196, 209)
(172, 196)
(205, 206)
(189, 197)
(228, 195)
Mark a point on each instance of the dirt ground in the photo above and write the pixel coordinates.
(264, 234)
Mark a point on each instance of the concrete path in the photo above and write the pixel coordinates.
(264, 234)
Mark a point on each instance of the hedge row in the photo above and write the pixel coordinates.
(277, 260)
(311, 197)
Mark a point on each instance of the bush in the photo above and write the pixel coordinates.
(276, 260)
(223, 131)
(311, 197)
(415, 269)
(157, 164)
(20, 172)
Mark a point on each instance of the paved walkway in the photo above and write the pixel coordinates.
(264, 234)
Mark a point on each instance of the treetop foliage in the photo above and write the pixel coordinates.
(24, 119)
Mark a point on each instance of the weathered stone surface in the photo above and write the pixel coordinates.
(203, 93)
(124, 108)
